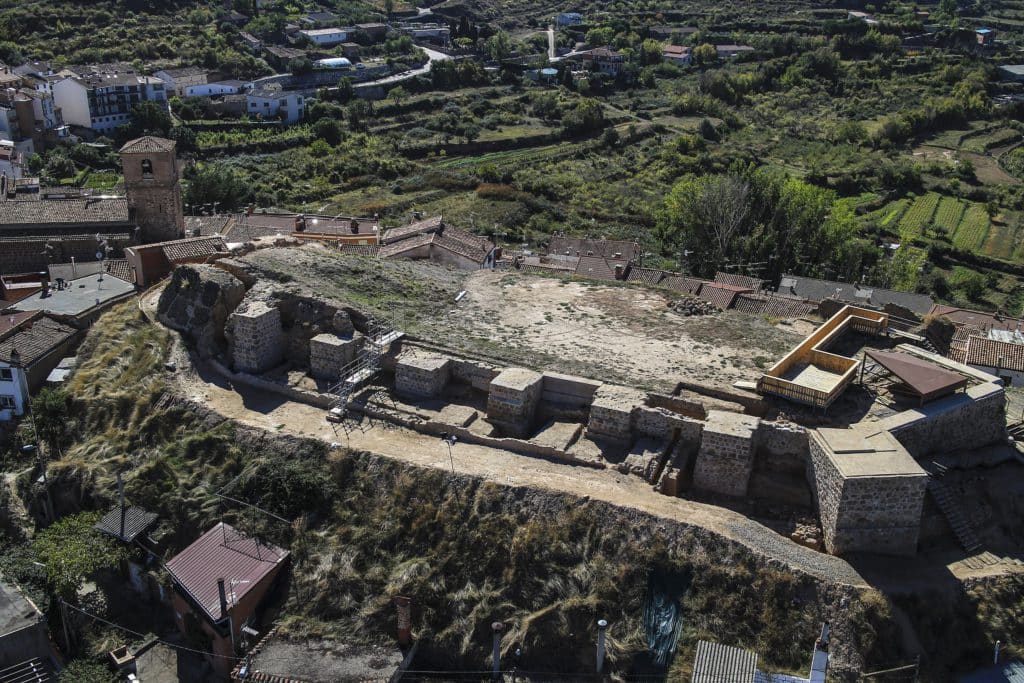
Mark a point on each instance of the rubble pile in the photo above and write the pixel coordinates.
(691, 305)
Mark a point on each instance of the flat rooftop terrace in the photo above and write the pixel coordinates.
(865, 452)
(79, 295)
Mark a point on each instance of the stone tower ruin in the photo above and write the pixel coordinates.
(154, 192)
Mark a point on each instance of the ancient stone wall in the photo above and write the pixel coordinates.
(422, 375)
(329, 353)
(512, 400)
(611, 413)
(568, 390)
(474, 373)
(878, 513)
(254, 334)
(726, 456)
(197, 301)
(782, 438)
(963, 421)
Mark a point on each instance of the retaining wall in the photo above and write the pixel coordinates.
(963, 421)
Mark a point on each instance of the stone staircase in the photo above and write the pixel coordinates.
(952, 510)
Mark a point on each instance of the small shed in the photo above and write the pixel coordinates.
(717, 663)
(916, 377)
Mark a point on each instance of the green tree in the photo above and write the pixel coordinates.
(587, 116)
(499, 46)
(51, 410)
(148, 118)
(345, 90)
(705, 54)
(398, 94)
(602, 35)
(215, 182)
(72, 551)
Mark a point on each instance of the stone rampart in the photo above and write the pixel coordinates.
(963, 421)
(726, 456)
(474, 373)
(611, 413)
(512, 400)
(329, 353)
(568, 390)
(782, 438)
(254, 335)
(422, 375)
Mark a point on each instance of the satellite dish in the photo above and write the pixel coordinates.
(99, 255)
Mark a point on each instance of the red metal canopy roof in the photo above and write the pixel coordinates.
(919, 377)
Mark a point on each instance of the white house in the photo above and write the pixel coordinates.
(178, 81)
(290, 107)
(103, 101)
(215, 89)
(326, 36)
(1000, 353)
(37, 343)
(677, 54)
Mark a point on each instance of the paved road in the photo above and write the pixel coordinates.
(551, 42)
(432, 56)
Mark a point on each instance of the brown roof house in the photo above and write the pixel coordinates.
(436, 241)
(152, 262)
(219, 583)
(31, 345)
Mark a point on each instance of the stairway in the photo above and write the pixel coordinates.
(1016, 430)
(954, 513)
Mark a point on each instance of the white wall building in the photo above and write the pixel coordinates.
(290, 107)
(13, 391)
(104, 101)
(177, 81)
(326, 36)
(215, 89)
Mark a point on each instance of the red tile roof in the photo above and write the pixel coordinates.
(9, 321)
(774, 306)
(574, 246)
(433, 224)
(679, 283)
(186, 249)
(995, 354)
(979, 319)
(148, 144)
(36, 340)
(739, 280)
(720, 294)
(648, 276)
(398, 248)
(597, 268)
(223, 553)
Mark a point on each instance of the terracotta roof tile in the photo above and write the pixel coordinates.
(36, 340)
(79, 212)
(148, 144)
(418, 228)
(720, 294)
(679, 283)
(648, 276)
(397, 248)
(992, 353)
(597, 268)
(575, 246)
(739, 280)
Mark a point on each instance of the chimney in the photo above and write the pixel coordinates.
(404, 619)
(497, 627)
(618, 271)
(300, 223)
(819, 660)
(602, 625)
(223, 598)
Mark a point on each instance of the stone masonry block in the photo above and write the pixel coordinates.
(726, 456)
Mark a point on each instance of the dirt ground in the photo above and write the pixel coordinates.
(613, 332)
(623, 334)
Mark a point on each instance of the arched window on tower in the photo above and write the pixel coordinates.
(147, 168)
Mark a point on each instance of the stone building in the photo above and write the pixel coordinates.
(330, 353)
(512, 400)
(152, 183)
(869, 491)
(726, 456)
(422, 375)
(256, 340)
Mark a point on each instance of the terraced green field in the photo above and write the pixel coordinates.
(973, 229)
(948, 214)
(918, 216)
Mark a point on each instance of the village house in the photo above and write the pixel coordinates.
(813, 289)
(320, 19)
(439, 242)
(604, 60)
(31, 345)
(220, 582)
(325, 37)
(179, 80)
(288, 106)
(375, 30)
(731, 51)
(102, 99)
(677, 54)
(251, 42)
(152, 262)
(215, 89)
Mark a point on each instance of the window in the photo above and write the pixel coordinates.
(7, 402)
(6, 375)
(147, 167)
